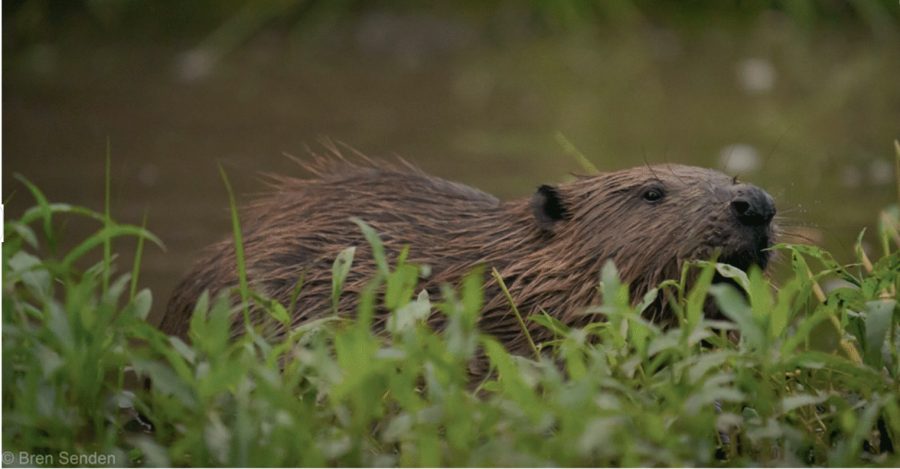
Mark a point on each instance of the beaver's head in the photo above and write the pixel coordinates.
(652, 219)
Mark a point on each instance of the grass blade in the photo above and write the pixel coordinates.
(43, 210)
(573, 151)
(101, 237)
(515, 309)
(138, 254)
(107, 220)
(238, 247)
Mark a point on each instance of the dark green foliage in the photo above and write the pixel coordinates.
(227, 23)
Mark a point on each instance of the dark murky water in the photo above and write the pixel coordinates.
(812, 119)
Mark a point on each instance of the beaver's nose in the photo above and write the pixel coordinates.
(752, 206)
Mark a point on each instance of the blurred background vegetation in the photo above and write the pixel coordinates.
(800, 97)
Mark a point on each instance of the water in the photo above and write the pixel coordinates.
(810, 117)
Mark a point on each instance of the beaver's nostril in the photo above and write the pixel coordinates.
(753, 207)
(740, 206)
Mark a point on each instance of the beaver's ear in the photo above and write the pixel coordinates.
(548, 207)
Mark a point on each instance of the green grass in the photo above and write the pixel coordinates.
(813, 379)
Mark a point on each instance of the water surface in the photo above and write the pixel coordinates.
(810, 117)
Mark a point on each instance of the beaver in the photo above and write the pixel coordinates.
(548, 248)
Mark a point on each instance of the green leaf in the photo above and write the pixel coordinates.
(36, 213)
(152, 453)
(696, 298)
(59, 325)
(407, 316)
(138, 254)
(796, 401)
(760, 294)
(648, 300)
(101, 237)
(731, 272)
(50, 361)
(400, 285)
(33, 274)
(211, 327)
(114, 292)
(615, 295)
(183, 349)
(547, 321)
(734, 307)
(375, 243)
(43, 208)
(706, 362)
(277, 311)
(511, 380)
(143, 301)
(709, 396)
(166, 381)
(24, 232)
(238, 240)
(573, 151)
(473, 296)
(815, 252)
(878, 317)
(851, 374)
(805, 328)
(339, 271)
(107, 218)
(198, 315)
(848, 448)
(782, 313)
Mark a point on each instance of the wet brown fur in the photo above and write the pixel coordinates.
(548, 263)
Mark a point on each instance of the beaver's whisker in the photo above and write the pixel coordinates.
(794, 237)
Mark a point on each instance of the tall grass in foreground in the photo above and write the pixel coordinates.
(813, 379)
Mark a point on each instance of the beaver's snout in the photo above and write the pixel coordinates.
(753, 210)
(752, 206)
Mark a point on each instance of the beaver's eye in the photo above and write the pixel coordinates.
(652, 195)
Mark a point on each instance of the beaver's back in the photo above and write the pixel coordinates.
(548, 248)
(300, 229)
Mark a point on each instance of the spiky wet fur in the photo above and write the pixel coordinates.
(549, 263)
